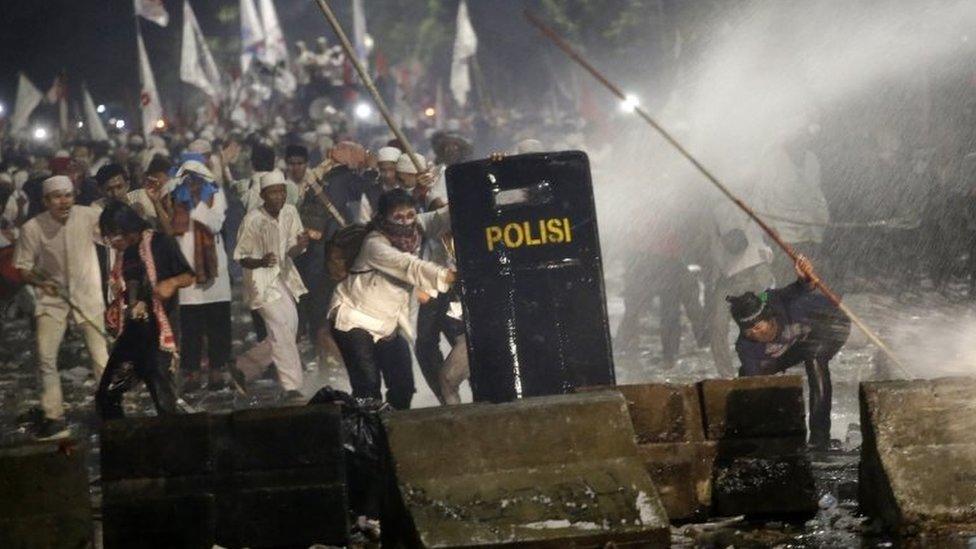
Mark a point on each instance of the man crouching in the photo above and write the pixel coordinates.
(783, 327)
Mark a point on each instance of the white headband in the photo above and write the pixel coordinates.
(57, 183)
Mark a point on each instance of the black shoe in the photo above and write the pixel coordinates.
(51, 429)
(238, 381)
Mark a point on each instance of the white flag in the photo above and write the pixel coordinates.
(252, 34)
(197, 65)
(153, 10)
(96, 130)
(152, 110)
(465, 47)
(28, 98)
(359, 32)
(275, 50)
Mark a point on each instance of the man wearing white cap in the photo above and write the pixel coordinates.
(56, 254)
(386, 180)
(270, 237)
(199, 210)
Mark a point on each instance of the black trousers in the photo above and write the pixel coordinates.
(432, 321)
(367, 360)
(210, 321)
(136, 357)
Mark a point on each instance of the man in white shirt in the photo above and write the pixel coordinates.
(270, 237)
(56, 254)
(199, 212)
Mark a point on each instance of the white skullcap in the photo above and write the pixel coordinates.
(62, 154)
(200, 146)
(388, 154)
(271, 179)
(527, 146)
(136, 139)
(57, 183)
(405, 165)
(197, 167)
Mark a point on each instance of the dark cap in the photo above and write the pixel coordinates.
(747, 309)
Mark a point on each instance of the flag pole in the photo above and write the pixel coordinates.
(644, 115)
(368, 82)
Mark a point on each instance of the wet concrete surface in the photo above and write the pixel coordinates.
(837, 524)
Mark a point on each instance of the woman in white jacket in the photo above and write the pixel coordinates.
(372, 302)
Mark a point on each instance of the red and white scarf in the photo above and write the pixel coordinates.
(116, 312)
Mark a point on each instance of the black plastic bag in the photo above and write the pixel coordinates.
(365, 448)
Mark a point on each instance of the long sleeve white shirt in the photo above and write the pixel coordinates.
(66, 254)
(259, 235)
(378, 297)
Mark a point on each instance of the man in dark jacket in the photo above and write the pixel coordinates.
(783, 327)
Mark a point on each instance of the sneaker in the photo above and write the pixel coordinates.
(238, 380)
(51, 429)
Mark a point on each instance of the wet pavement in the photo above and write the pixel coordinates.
(909, 323)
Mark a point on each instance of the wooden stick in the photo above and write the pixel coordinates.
(820, 285)
(368, 82)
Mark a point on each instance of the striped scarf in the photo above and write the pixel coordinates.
(116, 311)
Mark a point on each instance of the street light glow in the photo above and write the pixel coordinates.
(2, 109)
(363, 111)
(160, 124)
(100, 109)
(630, 103)
(40, 134)
(430, 112)
(120, 123)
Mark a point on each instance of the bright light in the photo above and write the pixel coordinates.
(40, 134)
(363, 111)
(81, 124)
(368, 42)
(2, 109)
(160, 124)
(629, 103)
(119, 124)
(430, 112)
(100, 109)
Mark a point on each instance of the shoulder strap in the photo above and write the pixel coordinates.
(333, 211)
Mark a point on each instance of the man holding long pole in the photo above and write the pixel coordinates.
(56, 254)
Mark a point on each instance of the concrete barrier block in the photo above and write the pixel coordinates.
(781, 485)
(558, 470)
(753, 407)
(165, 522)
(918, 454)
(286, 438)
(682, 473)
(160, 446)
(664, 412)
(44, 499)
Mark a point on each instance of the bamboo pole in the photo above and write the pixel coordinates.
(368, 82)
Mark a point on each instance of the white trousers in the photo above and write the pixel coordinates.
(50, 334)
(281, 320)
